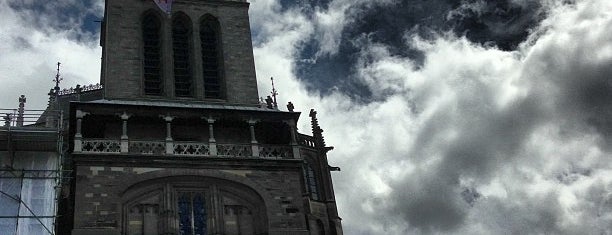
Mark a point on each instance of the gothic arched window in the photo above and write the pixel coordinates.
(151, 28)
(181, 35)
(191, 206)
(210, 39)
(310, 180)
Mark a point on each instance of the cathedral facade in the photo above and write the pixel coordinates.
(178, 142)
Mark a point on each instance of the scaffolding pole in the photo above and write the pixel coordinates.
(58, 174)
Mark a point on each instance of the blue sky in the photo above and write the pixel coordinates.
(447, 117)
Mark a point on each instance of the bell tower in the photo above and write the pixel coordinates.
(179, 142)
(200, 51)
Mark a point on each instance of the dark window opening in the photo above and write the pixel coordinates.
(311, 180)
(152, 55)
(209, 38)
(181, 32)
(192, 213)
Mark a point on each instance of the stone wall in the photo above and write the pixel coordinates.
(100, 192)
(122, 62)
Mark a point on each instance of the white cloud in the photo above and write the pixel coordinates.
(509, 123)
(529, 130)
(29, 55)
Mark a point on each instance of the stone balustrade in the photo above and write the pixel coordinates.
(101, 146)
(275, 151)
(185, 148)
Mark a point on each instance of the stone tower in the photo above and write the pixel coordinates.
(179, 143)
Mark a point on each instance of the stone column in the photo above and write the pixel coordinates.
(254, 144)
(78, 137)
(124, 137)
(294, 143)
(169, 141)
(212, 148)
(198, 71)
(167, 56)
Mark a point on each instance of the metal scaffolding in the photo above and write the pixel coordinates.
(31, 173)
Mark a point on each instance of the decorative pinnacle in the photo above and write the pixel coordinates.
(57, 79)
(274, 93)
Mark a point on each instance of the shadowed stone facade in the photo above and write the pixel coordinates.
(212, 161)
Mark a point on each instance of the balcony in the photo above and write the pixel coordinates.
(183, 149)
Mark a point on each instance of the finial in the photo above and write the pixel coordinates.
(7, 119)
(290, 106)
(57, 79)
(274, 93)
(269, 102)
(317, 132)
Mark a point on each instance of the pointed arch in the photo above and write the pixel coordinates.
(151, 42)
(195, 202)
(181, 47)
(212, 60)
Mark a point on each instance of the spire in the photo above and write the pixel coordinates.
(317, 132)
(20, 111)
(57, 79)
(274, 93)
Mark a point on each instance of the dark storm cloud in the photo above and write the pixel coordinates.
(526, 215)
(503, 24)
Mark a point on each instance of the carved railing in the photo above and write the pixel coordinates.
(147, 147)
(182, 148)
(275, 151)
(306, 140)
(237, 150)
(74, 90)
(191, 148)
(101, 146)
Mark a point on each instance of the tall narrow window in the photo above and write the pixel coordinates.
(151, 27)
(311, 180)
(209, 38)
(181, 31)
(192, 213)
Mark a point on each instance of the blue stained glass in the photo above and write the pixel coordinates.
(199, 214)
(184, 205)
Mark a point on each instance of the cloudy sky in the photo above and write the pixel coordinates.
(447, 116)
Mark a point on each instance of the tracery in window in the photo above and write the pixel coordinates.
(181, 34)
(151, 27)
(199, 206)
(210, 35)
(192, 213)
